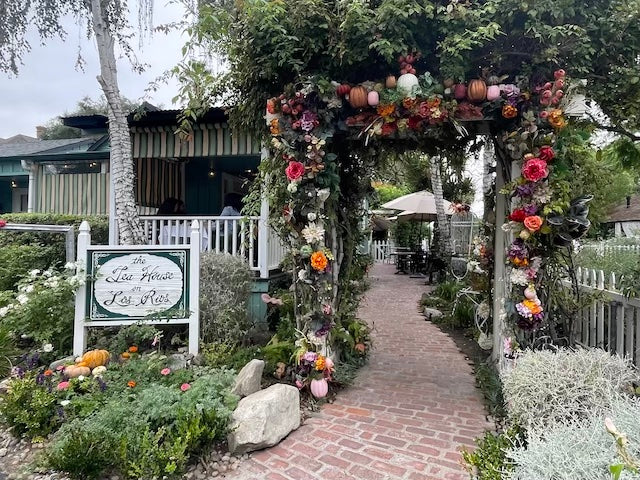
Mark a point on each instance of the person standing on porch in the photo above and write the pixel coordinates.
(232, 208)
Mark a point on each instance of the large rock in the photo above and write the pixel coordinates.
(63, 361)
(249, 378)
(431, 313)
(264, 418)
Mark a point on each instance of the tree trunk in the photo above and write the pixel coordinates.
(121, 161)
(446, 249)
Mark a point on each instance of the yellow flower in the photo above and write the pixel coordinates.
(320, 363)
(274, 126)
(386, 110)
(556, 119)
(319, 261)
(509, 111)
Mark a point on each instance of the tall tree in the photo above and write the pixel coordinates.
(108, 21)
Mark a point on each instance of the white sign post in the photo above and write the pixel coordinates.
(151, 284)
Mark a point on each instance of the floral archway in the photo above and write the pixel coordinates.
(322, 129)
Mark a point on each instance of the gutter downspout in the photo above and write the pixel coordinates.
(31, 195)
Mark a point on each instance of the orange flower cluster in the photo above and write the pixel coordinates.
(533, 306)
(386, 110)
(556, 120)
(509, 111)
(133, 349)
(274, 127)
(131, 384)
(319, 261)
(520, 262)
(321, 363)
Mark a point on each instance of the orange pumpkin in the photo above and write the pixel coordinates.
(95, 358)
(477, 90)
(390, 82)
(358, 97)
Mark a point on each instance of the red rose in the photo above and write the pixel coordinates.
(414, 122)
(546, 153)
(535, 169)
(518, 215)
(295, 170)
(389, 128)
(3, 223)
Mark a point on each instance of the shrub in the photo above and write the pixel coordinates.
(119, 339)
(581, 449)
(43, 308)
(489, 461)
(151, 434)
(16, 261)
(99, 228)
(546, 388)
(29, 408)
(8, 351)
(225, 286)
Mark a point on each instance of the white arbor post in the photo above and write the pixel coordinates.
(499, 283)
(79, 329)
(194, 292)
(263, 227)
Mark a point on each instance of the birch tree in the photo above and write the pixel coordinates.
(444, 232)
(107, 20)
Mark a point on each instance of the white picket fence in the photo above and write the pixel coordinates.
(611, 322)
(604, 248)
(381, 250)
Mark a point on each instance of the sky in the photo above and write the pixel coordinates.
(48, 85)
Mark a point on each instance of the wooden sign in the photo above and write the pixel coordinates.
(151, 284)
(132, 284)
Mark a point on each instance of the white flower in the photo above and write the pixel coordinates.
(70, 266)
(313, 233)
(80, 378)
(323, 194)
(47, 273)
(64, 403)
(519, 277)
(292, 187)
(3, 311)
(311, 216)
(29, 288)
(22, 298)
(302, 275)
(484, 311)
(34, 273)
(47, 348)
(99, 370)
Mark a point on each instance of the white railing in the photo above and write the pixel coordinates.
(612, 321)
(603, 248)
(236, 235)
(381, 250)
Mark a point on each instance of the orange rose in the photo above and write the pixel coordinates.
(319, 261)
(320, 363)
(133, 349)
(48, 373)
(274, 127)
(131, 384)
(533, 307)
(556, 119)
(533, 223)
(509, 111)
(520, 262)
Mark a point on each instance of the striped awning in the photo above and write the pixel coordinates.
(208, 140)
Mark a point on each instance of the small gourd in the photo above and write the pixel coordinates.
(319, 388)
(95, 358)
(493, 92)
(73, 371)
(460, 91)
(477, 90)
(390, 82)
(373, 98)
(358, 97)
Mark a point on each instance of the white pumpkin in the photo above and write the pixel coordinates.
(373, 98)
(407, 81)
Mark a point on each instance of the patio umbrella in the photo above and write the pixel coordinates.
(420, 206)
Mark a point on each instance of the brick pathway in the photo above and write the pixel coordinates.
(409, 411)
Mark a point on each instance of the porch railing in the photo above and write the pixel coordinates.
(247, 237)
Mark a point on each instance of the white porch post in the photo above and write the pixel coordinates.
(499, 284)
(263, 227)
(31, 192)
(113, 223)
(79, 328)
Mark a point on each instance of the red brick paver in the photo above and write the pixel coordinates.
(407, 415)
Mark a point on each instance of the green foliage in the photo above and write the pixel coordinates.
(386, 192)
(119, 339)
(16, 261)
(29, 408)
(225, 286)
(488, 380)
(448, 290)
(8, 351)
(488, 461)
(620, 262)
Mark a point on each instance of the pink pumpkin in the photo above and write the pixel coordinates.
(460, 91)
(493, 92)
(319, 388)
(373, 98)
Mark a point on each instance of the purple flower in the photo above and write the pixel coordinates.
(322, 331)
(530, 209)
(525, 190)
(310, 357)
(101, 383)
(309, 121)
(517, 249)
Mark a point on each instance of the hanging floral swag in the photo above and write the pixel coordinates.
(304, 122)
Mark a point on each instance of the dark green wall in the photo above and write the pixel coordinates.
(202, 194)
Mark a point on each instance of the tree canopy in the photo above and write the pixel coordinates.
(270, 44)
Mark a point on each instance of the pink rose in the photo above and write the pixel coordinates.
(559, 74)
(535, 169)
(3, 223)
(559, 83)
(63, 385)
(544, 114)
(326, 309)
(533, 223)
(165, 371)
(299, 384)
(295, 170)
(546, 153)
(546, 94)
(184, 387)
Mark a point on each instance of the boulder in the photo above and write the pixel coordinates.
(5, 386)
(432, 313)
(249, 379)
(264, 418)
(177, 361)
(70, 360)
